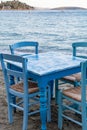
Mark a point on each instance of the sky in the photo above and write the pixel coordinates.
(55, 3)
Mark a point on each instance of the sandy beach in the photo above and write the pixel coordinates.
(34, 121)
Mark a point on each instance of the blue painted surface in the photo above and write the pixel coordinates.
(51, 62)
(48, 66)
(77, 96)
(24, 84)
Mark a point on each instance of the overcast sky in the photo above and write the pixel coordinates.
(55, 3)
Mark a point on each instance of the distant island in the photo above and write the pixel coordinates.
(15, 5)
(69, 8)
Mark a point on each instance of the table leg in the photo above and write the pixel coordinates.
(43, 105)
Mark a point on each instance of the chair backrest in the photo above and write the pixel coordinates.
(9, 72)
(18, 45)
(81, 52)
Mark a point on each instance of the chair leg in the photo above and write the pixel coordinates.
(51, 87)
(56, 91)
(25, 116)
(60, 119)
(75, 85)
(14, 102)
(84, 118)
(10, 109)
(48, 104)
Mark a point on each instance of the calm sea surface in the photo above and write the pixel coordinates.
(54, 30)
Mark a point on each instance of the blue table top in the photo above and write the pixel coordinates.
(44, 63)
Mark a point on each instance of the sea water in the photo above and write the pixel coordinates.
(55, 30)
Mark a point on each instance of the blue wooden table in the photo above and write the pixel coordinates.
(49, 66)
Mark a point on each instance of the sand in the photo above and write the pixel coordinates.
(34, 121)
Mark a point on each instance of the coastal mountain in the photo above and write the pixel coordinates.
(69, 8)
(15, 5)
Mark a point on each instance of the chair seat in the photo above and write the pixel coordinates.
(33, 87)
(74, 93)
(73, 77)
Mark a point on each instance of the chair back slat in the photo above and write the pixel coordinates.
(15, 46)
(15, 73)
(77, 45)
(14, 58)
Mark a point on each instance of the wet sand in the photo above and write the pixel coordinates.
(34, 121)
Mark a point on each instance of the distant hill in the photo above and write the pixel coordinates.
(15, 5)
(68, 8)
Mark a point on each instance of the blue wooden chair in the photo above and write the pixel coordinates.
(23, 89)
(20, 48)
(23, 44)
(15, 48)
(73, 79)
(76, 95)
